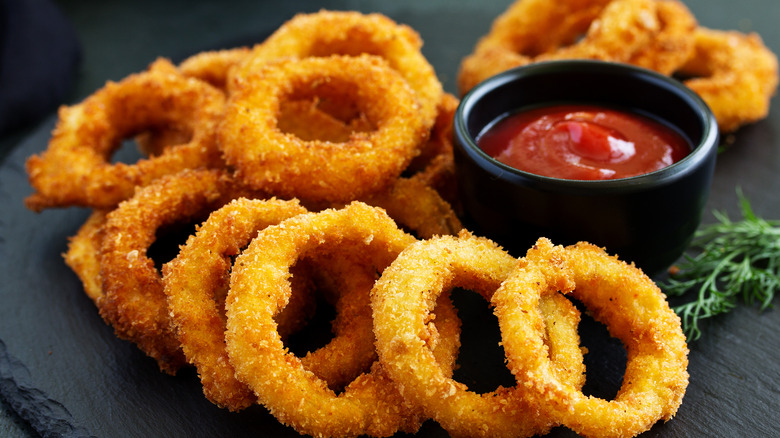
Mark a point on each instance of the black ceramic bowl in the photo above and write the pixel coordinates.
(648, 219)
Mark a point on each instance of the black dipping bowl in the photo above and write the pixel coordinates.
(648, 219)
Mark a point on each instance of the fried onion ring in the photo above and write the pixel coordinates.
(634, 310)
(196, 279)
(535, 30)
(655, 34)
(259, 288)
(267, 158)
(402, 299)
(133, 300)
(735, 73)
(419, 209)
(352, 33)
(75, 168)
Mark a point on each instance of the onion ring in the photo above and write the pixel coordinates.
(419, 209)
(133, 300)
(535, 30)
(634, 310)
(326, 33)
(269, 159)
(198, 276)
(401, 301)
(735, 73)
(657, 35)
(74, 169)
(259, 288)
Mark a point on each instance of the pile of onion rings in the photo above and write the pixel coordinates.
(735, 73)
(541, 351)
(402, 300)
(322, 174)
(356, 113)
(332, 107)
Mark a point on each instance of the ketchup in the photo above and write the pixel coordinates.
(583, 142)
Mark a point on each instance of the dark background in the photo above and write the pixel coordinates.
(62, 369)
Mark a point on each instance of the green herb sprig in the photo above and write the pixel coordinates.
(734, 261)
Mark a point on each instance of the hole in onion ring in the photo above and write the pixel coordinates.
(316, 334)
(128, 153)
(168, 240)
(481, 362)
(343, 111)
(322, 119)
(153, 142)
(605, 362)
(323, 113)
(150, 143)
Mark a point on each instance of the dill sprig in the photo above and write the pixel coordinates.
(735, 261)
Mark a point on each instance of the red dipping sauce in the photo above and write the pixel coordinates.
(583, 142)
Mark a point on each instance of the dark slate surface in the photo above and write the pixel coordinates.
(39, 52)
(63, 373)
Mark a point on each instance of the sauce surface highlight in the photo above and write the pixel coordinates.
(583, 142)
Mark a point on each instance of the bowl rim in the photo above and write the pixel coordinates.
(697, 157)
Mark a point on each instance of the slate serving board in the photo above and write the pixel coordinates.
(64, 373)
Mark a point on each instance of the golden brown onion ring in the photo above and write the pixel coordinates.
(327, 33)
(259, 288)
(622, 28)
(75, 168)
(133, 301)
(267, 158)
(534, 30)
(657, 35)
(211, 67)
(633, 309)
(196, 281)
(735, 73)
(305, 119)
(402, 300)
